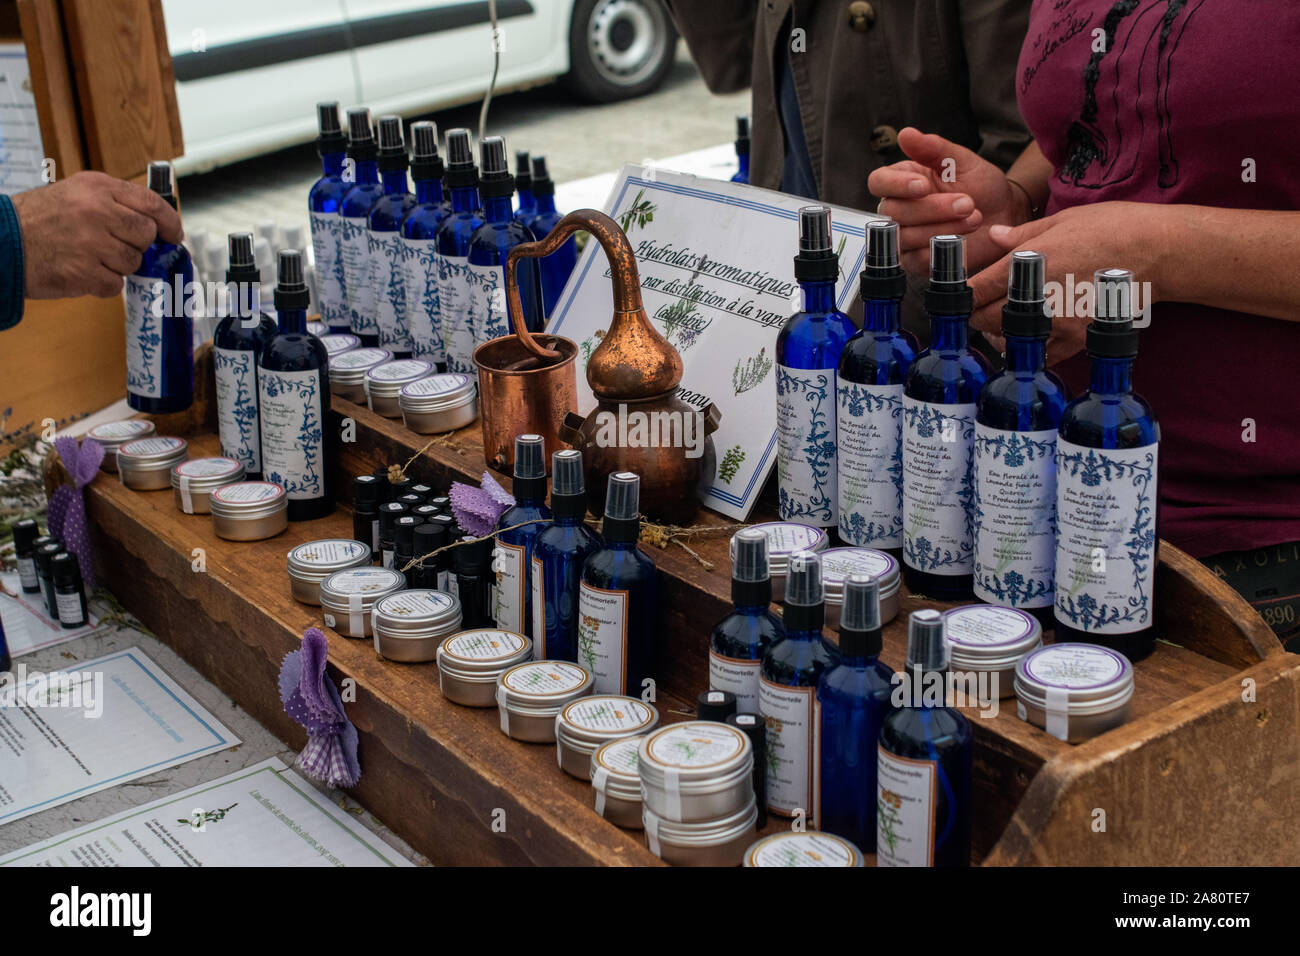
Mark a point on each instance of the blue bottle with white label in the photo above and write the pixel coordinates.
(420, 247)
(1107, 494)
(161, 303)
(323, 202)
(939, 436)
(808, 351)
(1016, 418)
(527, 202)
(742, 150)
(384, 239)
(455, 285)
(739, 641)
(489, 247)
(515, 547)
(237, 348)
(363, 168)
(293, 389)
(559, 265)
(561, 549)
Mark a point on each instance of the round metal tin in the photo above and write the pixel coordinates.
(249, 510)
(1074, 691)
(616, 782)
(987, 639)
(839, 563)
(193, 480)
(470, 662)
(530, 695)
(583, 725)
(348, 371)
(408, 626)
(716, 842)
(803, 849)
(784, 538)
(113, 435)
(696, 770)
(347, 597)
(311, 563)
(439, 403)
(339, 343)
(383, 384)
(145, 464)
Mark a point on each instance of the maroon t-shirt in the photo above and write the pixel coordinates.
(1186, 92)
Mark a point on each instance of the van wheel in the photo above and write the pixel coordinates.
(619, 49)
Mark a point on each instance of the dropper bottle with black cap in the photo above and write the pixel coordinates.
(384, 223)
(808, 351)
(787, 692)
(616, 600)
(923, 768)
(559, 265)
(237, 348)
(1107, 489)
(294, 387)
(161, 303)
(869, 421)
(561, 549)
(742, 150)
(739, 641)
(854, 698)
(489, 247)
(323, 203)
(514, 551)
(361, 174)
(939, 435)
(527, 207)
(455, 287)
(1016, 418)
(420, 247)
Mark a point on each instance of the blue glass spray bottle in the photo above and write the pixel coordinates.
(559, 554)
(742, 150)
(923, 772)
(514, 552)
(1016, 418)
(160, 309)
(616, 599)
(237, 348)
(1107, 473)
(939, 435)
(808, 351)
(854, 697)
(362, 171)
(787, 692)
(869, 413)
(455, 286)
(384, 239)
(559, 265)
(323, 202)
(294, 386)
(489, 247)
(420, 252)
(527, 204)
(739, 641)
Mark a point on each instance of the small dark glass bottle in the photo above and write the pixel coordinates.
(44, 555)
(739, 640)
(389, 512)
(26, 532)
(366, 492)
(69, 591)
(755, 728)
(404, 544)
(444, 563)
(385, 489)
(398, 487)
(428, 538)
(474, 583)
(410, 500)
(716, 705)
(442, 503)
(6, 662)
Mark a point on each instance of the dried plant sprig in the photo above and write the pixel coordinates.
(468, 541)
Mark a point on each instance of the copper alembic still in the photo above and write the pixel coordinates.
(638, 425)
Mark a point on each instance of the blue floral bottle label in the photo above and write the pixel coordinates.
(793, 719)
(488, 316)
(237, 421)
(146, 299)
(354, 246)
(1015, 516)
(293, 452)
(805, 436)
(388, 279)
(454, 290)
(869, 445)
(326, 242)
(423, 309)
(1106, 542)
(938, 487)
(905, 799)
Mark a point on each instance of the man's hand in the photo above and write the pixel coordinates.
(81, 235)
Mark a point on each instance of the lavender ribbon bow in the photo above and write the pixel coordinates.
(67, 514)
(310, 697)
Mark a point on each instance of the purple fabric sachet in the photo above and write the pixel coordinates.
(311, 698)
(67, 514)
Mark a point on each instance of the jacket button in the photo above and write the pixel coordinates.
(862, 16)
(884, 138)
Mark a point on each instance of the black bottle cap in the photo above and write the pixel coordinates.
(41, 541)
(543, 185)
(816, 261)
(65, 569)
(385, 489)
(389, 512)
(927, 646)
(1111, 333)
(568, 485)
(425, 162)
(523, 170)
(428, 537)
(1026, 312)
(805, 608)
(367, 494)
(240, 264)
(742, 135)
(361, 135)
(26, 532)
(423, 490)
(449, 534)
(461, 171)
(404, 533)
(44, 554)
(860, 617)
(751, 577)
(399, 487)
(494, 172)
(392, 148)
(474, 558)
(425, 512)
(161, 181)
(715, 705)
(290, 287)
(530, 468)
(622, 507)
(329, 138)
(411, 500)
(882, 277)
(948, 293)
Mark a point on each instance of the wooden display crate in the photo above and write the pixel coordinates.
(1206, 771)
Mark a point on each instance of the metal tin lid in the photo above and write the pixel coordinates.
(417, 611)
(387, 379)
(158, 452)
(784, 538)
(247, 499)
(1075, 679)
(339, 343)
(707, 833)
(614, 766)
(546, 685)
(350, 368)
(803, 849)
(317, 560)
(200, 475)
(839, 563)
(695, 752)
(989, 636)
(484, 651)
(113, 435)
(317, 329)
(436, 392)
(599, 718)
(370, 584)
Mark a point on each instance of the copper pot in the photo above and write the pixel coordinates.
(519, 395)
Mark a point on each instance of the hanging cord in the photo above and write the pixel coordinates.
(497, 40)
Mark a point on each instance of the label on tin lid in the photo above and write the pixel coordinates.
(335, 344)
(364, 580)
(204, 467)
(1074, 666)
(415, 603)
(696, 744)
(151, 446)
(803, 849)
(987, 626)
(608, 714)
(620, 756)
(248, 491)
(117, 430)
(359, 358)
(544, 678)
(404, 368)
(317, 328)
(484, 645)
(437, 384)
(839, 563)
(787, 537)
(328, 552)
